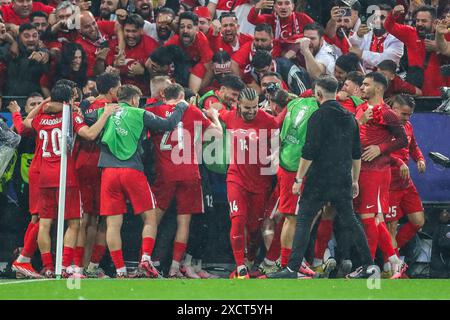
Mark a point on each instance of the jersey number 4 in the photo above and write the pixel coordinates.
(56, 137)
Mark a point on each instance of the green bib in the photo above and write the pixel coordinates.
(293, 132)
(25, 163)
(357, 101)
(220, 154)
(123, 131)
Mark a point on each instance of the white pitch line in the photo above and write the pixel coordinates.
(24, 281)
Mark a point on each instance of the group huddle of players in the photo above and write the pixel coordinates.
(106, 169)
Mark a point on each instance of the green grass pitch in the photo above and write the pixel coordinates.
(224, 289)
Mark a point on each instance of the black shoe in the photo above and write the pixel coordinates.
(287, 273)
(363, 272)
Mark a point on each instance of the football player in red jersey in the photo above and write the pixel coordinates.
(249, 179)
(48, 128)
(403, 196)
(381, 133)
(22, 265)
(89, 177)
(177, 173)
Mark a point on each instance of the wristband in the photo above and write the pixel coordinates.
(299, 181)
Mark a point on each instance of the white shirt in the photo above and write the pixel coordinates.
(327, 57)
(392, 49)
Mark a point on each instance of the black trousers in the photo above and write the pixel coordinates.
(352, 231)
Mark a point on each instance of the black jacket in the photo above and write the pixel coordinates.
(23, 74)
(332, 142)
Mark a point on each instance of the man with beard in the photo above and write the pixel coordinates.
(94, 37)
(319, 56)
(138, 47)
(296, 78)
(39, 19)
(286, 24)
(108, 9)
(25, 70)
(376, 45)
(229, 39)
(144, 8)
(262, 40)
(240, 7)
(381, 134)
(196, 46)
(162, 29)
(18, 12)
(423, 58)
(350, 95)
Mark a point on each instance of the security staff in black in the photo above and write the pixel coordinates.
(330, 163)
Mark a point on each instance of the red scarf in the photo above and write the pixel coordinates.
(377, 43)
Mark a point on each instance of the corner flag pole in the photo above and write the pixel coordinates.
(62, 190)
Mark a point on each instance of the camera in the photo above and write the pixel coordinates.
(430, 36)
(445, 70)
(272, 87)
(345, 11)
(445, 105)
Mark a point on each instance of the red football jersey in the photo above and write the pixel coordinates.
(199, 52)
(397, 182)
(250, 143)
(176, 150)
(244, 56)
(9, 16)
(49, 131)
(138, 53)
(107, 32)
(384, 130)
(88, 152)
(217, 43)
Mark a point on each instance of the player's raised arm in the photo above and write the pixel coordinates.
(91, 133)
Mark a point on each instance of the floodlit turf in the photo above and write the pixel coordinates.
(223, 289)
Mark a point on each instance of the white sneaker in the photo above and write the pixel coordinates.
(206, 275)
(176, 274)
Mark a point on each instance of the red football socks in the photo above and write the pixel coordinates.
(97, 253)
(385, 240)
(78, 257)
(237, 239)
(371, 231)
(275, 247)
(148, 244)
(47, 260)
(285, 256)
(406, 233)
(30, 241)
(178, 251)
(68, 254)
(117, 258)
(324, 232)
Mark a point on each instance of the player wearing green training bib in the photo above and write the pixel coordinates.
(292, 139)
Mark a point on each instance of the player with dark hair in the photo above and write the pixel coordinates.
(48, 128)
(177, 174)
(196, 46)
(403, 196)
(89, 176)
(123, 177)
(381, 134)
(249, 179)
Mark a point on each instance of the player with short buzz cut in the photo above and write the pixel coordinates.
(249, 179)
(381, 134)
(177, 173)
(123, 174)
(403, 196)
(48, 127)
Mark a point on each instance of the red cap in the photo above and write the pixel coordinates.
(202, 12)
